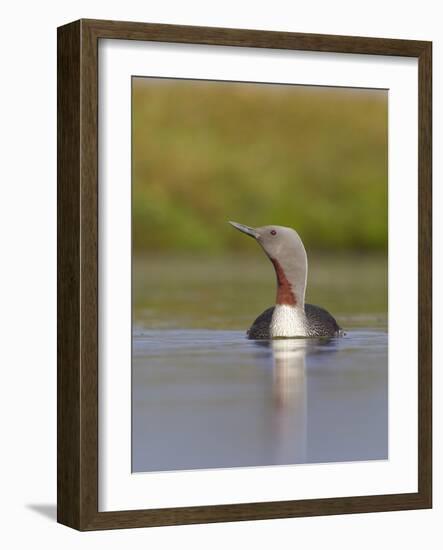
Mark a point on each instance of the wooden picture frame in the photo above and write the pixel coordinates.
(77, 457)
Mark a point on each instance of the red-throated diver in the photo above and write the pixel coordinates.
(290, 317)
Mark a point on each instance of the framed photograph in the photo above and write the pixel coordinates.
(244, 274)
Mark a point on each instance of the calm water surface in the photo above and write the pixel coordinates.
(206, 397)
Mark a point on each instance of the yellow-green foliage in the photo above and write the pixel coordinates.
(205, 152)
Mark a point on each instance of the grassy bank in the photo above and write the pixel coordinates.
(311, 158)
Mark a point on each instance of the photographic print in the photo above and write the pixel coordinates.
(259, 274)
(228, 345)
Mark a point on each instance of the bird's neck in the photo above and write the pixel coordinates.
(291, 281)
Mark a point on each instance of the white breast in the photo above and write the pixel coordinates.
(288, 322)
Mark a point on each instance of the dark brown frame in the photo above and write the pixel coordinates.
(77, 456)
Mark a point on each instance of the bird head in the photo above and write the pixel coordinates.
(285, 249)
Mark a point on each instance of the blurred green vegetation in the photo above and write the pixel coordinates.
(307, 157)
(229, 291)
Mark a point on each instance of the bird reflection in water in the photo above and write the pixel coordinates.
(289, 377)
(289, 396)
(290, 393)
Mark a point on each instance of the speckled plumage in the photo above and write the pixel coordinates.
(319, 323)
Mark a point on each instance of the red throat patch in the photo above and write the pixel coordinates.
(285, 295)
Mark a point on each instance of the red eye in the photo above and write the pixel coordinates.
(273, 232)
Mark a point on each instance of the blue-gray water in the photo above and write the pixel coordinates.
(206, 397)
(213, 399)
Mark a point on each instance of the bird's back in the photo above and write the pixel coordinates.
(320, 323)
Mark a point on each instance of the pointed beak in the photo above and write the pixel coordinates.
(245, 229)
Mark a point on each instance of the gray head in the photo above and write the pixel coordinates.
(285, 249)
